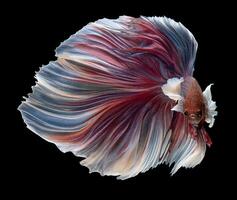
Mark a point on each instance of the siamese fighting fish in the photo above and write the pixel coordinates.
(121, 95)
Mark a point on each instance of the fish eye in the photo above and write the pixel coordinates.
(199, 113)
(186, 113)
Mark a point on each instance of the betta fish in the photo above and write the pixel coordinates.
(122, 96)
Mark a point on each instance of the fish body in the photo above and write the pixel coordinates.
(194, 102)
(122, 96)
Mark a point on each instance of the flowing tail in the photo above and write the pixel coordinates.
(102, 99)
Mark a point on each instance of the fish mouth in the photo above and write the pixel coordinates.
(194, 120)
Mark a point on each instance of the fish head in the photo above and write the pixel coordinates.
(195, 113)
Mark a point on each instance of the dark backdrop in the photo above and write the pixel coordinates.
(32, 164)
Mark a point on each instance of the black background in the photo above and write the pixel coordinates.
(32, 164)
